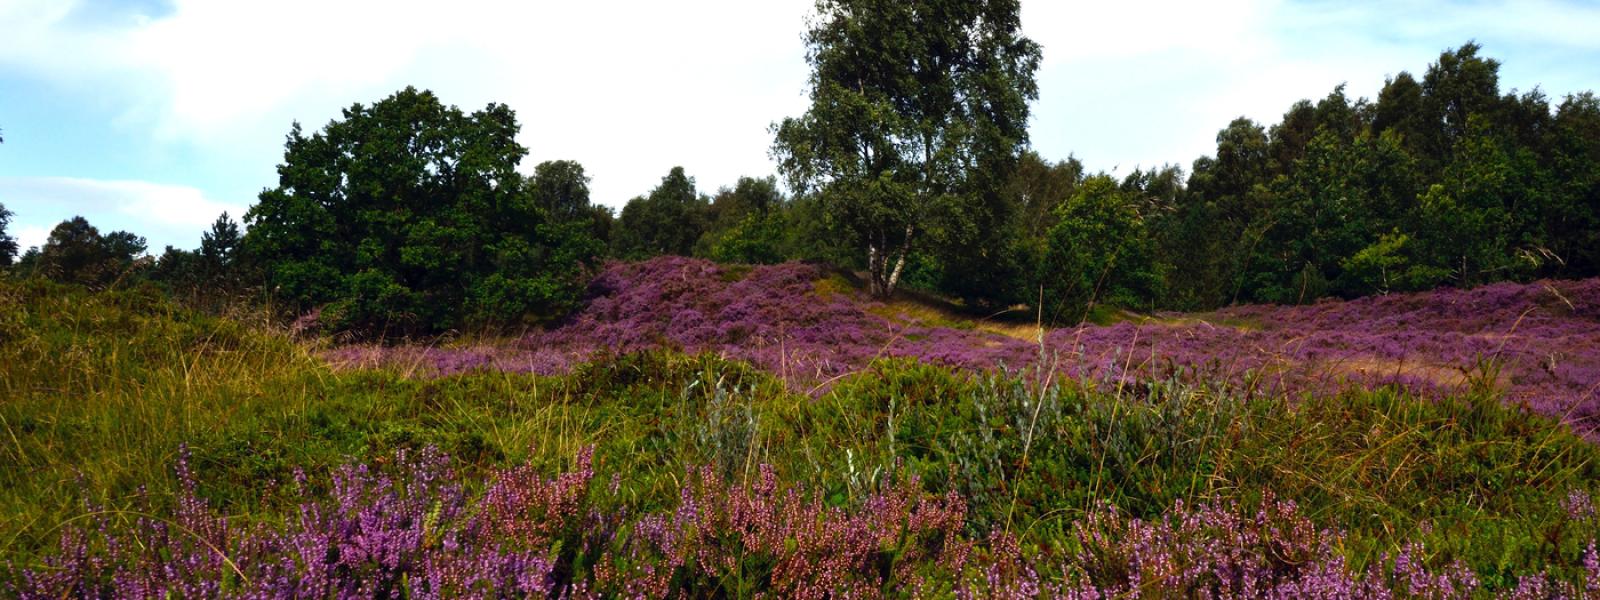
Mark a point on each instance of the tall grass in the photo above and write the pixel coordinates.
(102, 389)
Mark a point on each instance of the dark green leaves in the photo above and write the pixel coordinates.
(409, 216)
(76, 252)
(8, 244)
(667, 221)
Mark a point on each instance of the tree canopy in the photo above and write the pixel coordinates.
(911, 162)
(8, 244)
(76, 252)
(410, 216)
(917, 110)
(669, 220)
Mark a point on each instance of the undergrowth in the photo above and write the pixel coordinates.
(100, 390)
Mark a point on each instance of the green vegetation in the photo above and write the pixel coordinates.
(1442, 181)
(76, 252)
(214, 276)
(667, 221)
(918, 111)
(8, 244)
(409, 216)
(103, 388)
(1099, 251)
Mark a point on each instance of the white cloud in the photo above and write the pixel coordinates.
(164, 214)
(632, 88)
(32, 236)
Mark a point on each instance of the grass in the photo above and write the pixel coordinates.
(102, 389)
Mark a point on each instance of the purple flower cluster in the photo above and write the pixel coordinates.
(416, 534)
(1537, 343)
(411, 531)
(1216, 550)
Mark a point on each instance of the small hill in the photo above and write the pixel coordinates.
(1539, 343)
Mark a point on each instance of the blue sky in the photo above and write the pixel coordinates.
(157, 115)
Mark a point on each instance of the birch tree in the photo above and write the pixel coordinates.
(913, 104)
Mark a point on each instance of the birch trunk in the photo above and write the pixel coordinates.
(893, 277)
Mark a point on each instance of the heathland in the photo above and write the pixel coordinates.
(1352, 354)
(845, 447)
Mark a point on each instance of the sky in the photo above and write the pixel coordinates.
(155, 116)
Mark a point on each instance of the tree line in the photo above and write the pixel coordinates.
(912, 165)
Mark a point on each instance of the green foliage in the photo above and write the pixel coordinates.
(757, 239)
(918, 110)
(913, 148)
(219, 249)
(213, 276)
(1389, 265)
(1440, 181)
(1571, 218)
(1473, 479)
(809, 234)
(748, 223)
(667, 221)
(179, 271)
(750, 196)
(561, 190)
(8, 244)
(1036, 189)
(76, 252)
(408, 216)
(1098, 253)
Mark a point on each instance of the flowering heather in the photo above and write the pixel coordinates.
(411, 531)
(1537, 343)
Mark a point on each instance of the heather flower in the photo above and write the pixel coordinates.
(1578, 505)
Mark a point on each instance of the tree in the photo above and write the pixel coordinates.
(561, 190)
(750, 196)
(219, 272)
(1223, 218)
(756, 239)
(918, 111)
(410, 216)
(219, 250)
(220, 245)
(179, 271)
(1458, 87)
(1472, 218)
(744, 223)
(1037, 188)
(8, 244)
(1573, 218)
(76, 252)
(667, 221)
(212, 275)
(1099, 253)
(1400, 110)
